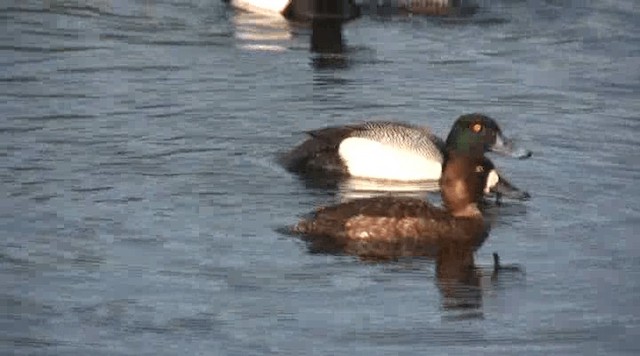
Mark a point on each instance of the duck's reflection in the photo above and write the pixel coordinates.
(447, 8)
(271, 32)
(261, 32)
(458, 278)
(460, 281)
(353, 188)
(326, 36)
(323, 61)
(350, 188)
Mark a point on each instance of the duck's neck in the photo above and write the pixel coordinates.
(459, 185)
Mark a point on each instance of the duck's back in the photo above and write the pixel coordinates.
(414, 139)
(388, 227)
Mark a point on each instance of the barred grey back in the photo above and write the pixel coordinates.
(416, 139)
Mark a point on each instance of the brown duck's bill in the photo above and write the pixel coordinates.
(508, 148)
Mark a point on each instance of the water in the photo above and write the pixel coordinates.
(141, 202)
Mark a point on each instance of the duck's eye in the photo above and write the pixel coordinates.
(477, 127)
(479, 169)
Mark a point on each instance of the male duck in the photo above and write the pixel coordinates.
(392, 226)
(390, 151)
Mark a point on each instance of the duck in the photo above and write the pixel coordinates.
(390, 151)
(389, 227)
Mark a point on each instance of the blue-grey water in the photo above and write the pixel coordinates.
(141, 203)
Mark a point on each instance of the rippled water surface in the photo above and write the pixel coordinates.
(141, 202)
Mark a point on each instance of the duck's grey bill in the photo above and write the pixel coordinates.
(507, 147)
(506, 189)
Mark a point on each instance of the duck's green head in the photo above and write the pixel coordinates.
(476, 134)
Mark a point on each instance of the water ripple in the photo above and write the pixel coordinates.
(50, 49)
(123, 68)
(141, 194)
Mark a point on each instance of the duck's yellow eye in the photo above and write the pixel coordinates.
(476, 127)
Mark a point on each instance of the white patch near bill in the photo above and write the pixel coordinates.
(366, 158)
(492, 180)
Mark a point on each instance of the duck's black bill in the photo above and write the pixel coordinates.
(507, 147)
(505, 189)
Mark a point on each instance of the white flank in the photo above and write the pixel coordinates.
(371, 159)
(492, 180)
(262, 6)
